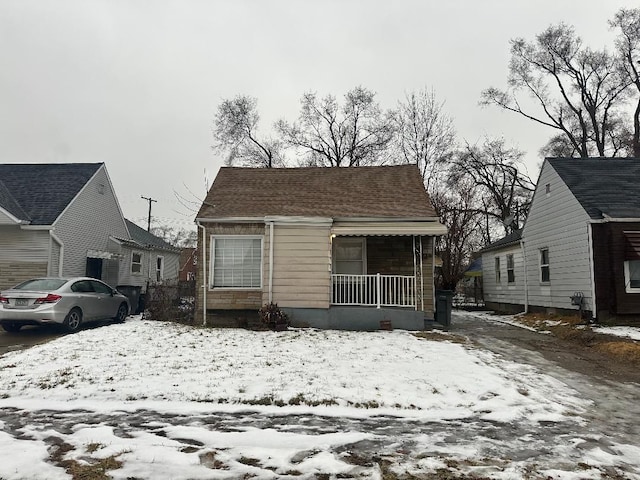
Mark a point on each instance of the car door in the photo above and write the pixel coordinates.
(85, 298)
(106, 304)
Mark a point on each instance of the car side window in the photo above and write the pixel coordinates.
(83, 286)
(100, 287)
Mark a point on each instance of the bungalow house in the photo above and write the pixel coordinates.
(58, 220)
(580, 245)
(345, 248)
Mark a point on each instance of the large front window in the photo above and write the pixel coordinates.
(236, 262)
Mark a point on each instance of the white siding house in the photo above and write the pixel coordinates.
(556, 232)
(580, 245)
(57, 219)
(503, 274)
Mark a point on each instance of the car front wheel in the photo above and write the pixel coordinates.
(123, 311)
(11, 327)
(73, 320)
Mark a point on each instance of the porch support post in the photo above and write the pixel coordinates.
(421, 279)
(378, 292)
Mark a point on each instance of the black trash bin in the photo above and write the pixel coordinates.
(444, 301)
(132, 292)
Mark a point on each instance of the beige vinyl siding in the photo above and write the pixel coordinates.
(503, 292)
(88, 222)
(301, 266)
(23, 254)
(225, 299)
(558, 222)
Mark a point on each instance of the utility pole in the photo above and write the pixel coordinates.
(148, 199)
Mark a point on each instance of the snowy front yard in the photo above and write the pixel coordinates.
(178, 370)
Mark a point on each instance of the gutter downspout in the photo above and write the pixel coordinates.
(55, 238)
(270, 262)
(204, 273)
(526, 280)
(592, 271)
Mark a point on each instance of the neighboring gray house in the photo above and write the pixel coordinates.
(58, 219)
(503, 274)
(581, 240)
(146, 258)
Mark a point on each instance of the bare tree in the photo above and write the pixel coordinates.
(425, 134)
(235, 134)
(575, 90)
(328, 134)
(456, 206)
(504, 191)
(178, 237)
(628, 49)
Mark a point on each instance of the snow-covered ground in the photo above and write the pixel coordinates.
(179, 370)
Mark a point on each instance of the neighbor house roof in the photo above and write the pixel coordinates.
(9, 204)
(40, 192)
(351, 192)
(512, 239)
(603, 186)
(145, 239)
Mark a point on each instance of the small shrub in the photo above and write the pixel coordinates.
(272, 317)
(164, 303)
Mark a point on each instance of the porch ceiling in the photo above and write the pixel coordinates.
(388, 228)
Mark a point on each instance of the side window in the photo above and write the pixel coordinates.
(511, 275)
(136, 262)
(545, 274)
(632, 276)
(159, 268)
(83, 286)
(497, 268)
(100, 287)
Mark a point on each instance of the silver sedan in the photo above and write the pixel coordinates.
(65, 301)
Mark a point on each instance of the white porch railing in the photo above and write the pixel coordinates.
(373, 290)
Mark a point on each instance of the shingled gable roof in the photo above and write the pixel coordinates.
(512, 239)
(10, 205)
(603, 186)
(40, 192)
(145, 239)
(392, 192)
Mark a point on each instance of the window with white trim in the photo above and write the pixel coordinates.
(632, 276)
(511, 273)
(349, 255)
(136, 262)
(236, 262)
(545, 274)
(159, 268)
(497, 269)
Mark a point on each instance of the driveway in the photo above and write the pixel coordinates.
(26, 337)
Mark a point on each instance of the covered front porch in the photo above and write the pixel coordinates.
(383, 272)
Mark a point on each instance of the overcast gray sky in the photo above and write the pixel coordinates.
(135, 84)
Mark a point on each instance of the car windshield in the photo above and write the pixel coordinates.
(41, 284)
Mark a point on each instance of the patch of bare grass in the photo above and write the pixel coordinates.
(95, 470)
(572, 329)
(622, 350)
